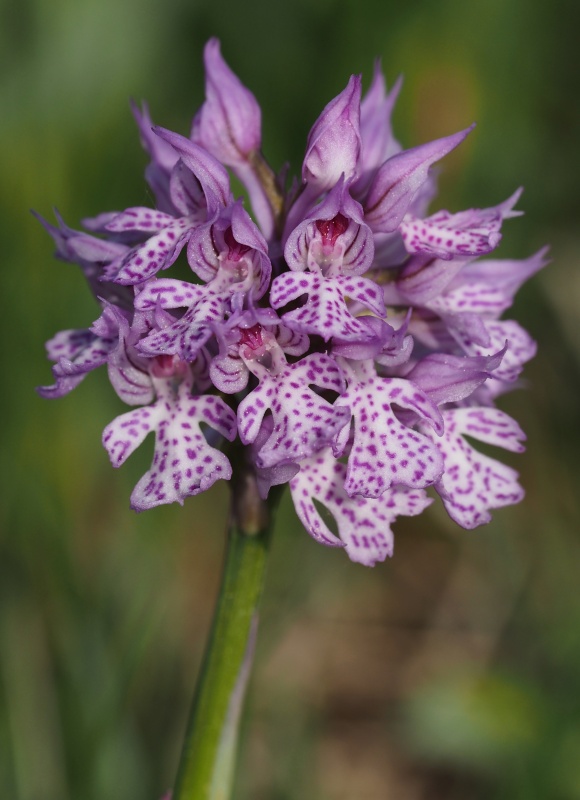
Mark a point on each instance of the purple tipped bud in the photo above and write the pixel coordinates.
(446, 378)
(334, 142)
(212, 176)
(399, 179)
(229, 122)
(378, 142)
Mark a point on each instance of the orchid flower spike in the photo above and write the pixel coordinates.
(335, 334)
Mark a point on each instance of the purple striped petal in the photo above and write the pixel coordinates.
(94, 250)
(231, 252)
(186, 193)
(333, 238)
(400, 178)
(228, 124)
(212, 176)
(128, 373)
(378, 142)
(163, 158)
(520, 347)
(446, 378)
(333, 145)
(229, 374)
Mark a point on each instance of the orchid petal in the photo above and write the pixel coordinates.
(140, 219)
(384, 451)
(326, 312)
(378, 142)
(364, 524)
(212, 175)
(303, 422)
(188, 335)
(333, 144)
(228, 124)
(473, 483)
(400, 178)
(184, 463)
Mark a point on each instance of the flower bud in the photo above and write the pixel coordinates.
(229, 122)
(334, 142)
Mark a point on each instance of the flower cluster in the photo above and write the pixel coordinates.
(346, 339)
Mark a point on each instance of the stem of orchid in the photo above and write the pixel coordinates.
(206, 770)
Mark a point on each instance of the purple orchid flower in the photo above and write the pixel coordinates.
(338, 336)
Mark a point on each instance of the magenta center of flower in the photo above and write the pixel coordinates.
(234, 260)
(258, 347)
(251, 338)
(168, 366)
(331, 229)
(236, 251)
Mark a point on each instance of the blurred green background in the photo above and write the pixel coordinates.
(453, 671)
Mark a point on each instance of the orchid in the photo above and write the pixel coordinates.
(331, 277)
(332, 335)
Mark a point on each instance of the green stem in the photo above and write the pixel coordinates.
(208, 759)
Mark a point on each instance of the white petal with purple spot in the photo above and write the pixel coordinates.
(384, 451)
(473, 483)
(303, 422)
(184, 464)
(364, 525)
(326, 312)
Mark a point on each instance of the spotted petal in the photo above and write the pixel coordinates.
(168, 293)
(303, 421)
(139, 218)
(188, 335)
(158, 253)
(473, 483)
(184, 463)
(326, 312)
(364, 525)
(501, 278)
(469, 233)
(476, 298)
(385, 452)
